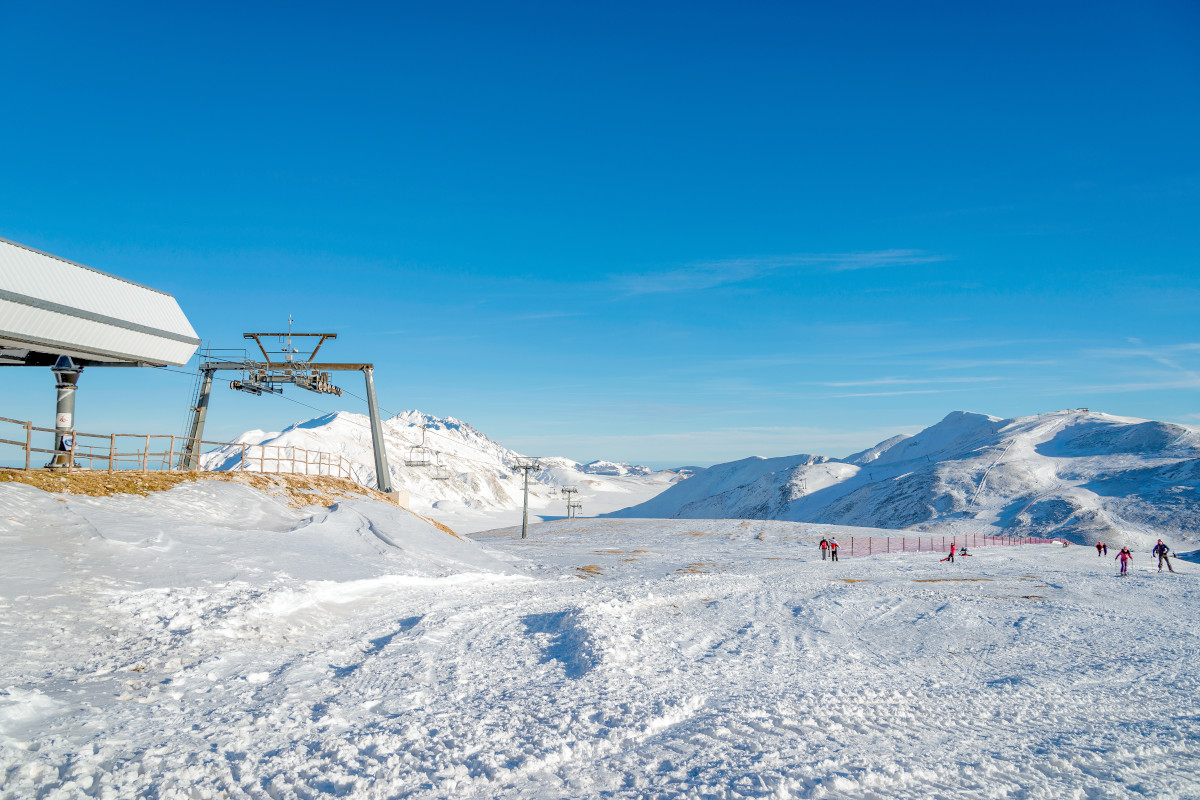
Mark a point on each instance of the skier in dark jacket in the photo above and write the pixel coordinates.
(1161, 550)
(824, 548)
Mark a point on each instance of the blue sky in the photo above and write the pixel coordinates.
(658, 232)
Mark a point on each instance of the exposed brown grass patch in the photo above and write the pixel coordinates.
(297, 491)
(852, 580)
(699, 568)
(947, 580)
(589, 571)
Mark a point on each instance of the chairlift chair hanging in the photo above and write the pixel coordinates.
(418, 455)
(439, 473)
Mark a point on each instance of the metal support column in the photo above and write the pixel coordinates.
(383, 478)
(526, 464)
(66, 377)
(525, 514)
(190, 457)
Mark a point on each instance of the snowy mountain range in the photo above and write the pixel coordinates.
(1078, 474)
(479, 489)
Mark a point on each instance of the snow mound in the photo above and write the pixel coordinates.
(204, 531)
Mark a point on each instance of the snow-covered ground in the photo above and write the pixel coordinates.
(480, 490)
(211, 641)
(1078, 474)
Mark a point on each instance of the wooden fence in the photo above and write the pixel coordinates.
(142, 452)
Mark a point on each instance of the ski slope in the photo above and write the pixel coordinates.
(212, 641)
(1078, 474)
(482, 489)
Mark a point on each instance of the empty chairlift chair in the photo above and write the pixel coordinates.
(418, 455)
(439, 473)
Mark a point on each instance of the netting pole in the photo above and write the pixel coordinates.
(851, 545)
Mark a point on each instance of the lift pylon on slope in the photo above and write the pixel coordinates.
(269, 376)
(571, 504)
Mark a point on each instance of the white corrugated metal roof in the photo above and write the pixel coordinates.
(51, 305)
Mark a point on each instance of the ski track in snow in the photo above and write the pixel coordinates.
(598, 658)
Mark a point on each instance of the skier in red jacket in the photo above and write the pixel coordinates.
(950, 557)
(824, 548)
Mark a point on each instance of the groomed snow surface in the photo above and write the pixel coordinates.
(211, 641)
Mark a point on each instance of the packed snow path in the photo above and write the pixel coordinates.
(301, 655)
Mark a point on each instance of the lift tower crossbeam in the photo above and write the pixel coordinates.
(305, 374)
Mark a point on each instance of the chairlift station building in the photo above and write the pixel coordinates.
(59, 314)
(51, 307)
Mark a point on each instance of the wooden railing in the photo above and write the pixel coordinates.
(114, 453)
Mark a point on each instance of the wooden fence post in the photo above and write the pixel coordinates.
(74, 441)
(171, 456)
(28, 442)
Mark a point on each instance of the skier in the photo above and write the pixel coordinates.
(833, 548)
(963, 553)
(1161, 550)
(824, 548)
(1105, 549)
(1124, 556)
(1099, 547)
(950, 557)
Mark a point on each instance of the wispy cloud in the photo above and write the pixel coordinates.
(1192, 382)
(1176, 375)
(712, 445)
(901, 381)
(893, 394)
(711, 274)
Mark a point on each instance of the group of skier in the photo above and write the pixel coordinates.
(829, 548)
(1125, 556)
(955, 549)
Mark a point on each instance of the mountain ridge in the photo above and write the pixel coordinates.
(1082, 475)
